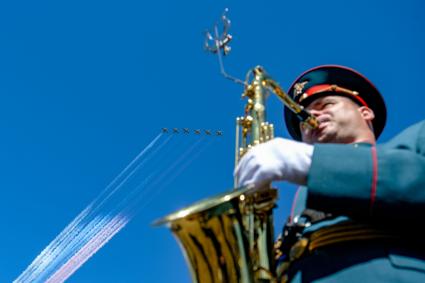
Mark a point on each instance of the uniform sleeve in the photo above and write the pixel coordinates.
(385, 182)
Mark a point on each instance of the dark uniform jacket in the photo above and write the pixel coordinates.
(373, 199)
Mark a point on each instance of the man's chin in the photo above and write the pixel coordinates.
(325, 138)
(323, 135)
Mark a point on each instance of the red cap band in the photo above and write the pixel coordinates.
(332, 88)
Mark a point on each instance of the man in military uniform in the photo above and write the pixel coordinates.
(358, 212)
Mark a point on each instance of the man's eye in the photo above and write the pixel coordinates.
(327, 104)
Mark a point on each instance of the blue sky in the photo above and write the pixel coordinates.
(85, 85)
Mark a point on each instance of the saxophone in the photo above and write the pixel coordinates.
(229, 237)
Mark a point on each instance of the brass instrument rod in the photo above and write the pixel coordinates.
(302, 114)
(235, 179)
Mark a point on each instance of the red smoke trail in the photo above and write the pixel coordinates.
(119, 221)
(89, 249)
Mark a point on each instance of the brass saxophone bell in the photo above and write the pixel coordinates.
(214, 236)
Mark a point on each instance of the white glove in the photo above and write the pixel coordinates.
(278, 159)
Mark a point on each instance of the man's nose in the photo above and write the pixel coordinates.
(314, 112)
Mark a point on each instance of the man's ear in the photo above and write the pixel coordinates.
(367, 113)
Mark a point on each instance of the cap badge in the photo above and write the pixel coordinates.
(299, 87)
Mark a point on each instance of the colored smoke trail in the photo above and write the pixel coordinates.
(79, 228)
(115, 225)
(44, 258)
(89, 249)
(156, 166)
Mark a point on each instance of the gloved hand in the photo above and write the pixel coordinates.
(277, 159)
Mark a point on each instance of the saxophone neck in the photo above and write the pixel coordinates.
(253, 128)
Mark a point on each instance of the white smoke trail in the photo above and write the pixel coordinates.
(94, 245)
(48, 255)
(43, 259)
(174, 175)
(162, 177)
(126, 173)
(130, 173)
(89, 232)
(83, 236)
(77, 256)
(90, 248)
(65, 251)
